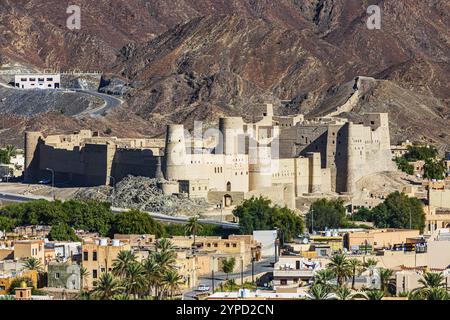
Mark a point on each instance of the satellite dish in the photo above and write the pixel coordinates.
(305, 240)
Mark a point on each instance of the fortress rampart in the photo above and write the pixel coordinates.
(307, 157)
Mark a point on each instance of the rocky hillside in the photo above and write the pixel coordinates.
(188, 59)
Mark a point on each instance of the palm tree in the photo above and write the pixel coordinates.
(433, 288)
(385, 277)
(228, 265)
(373, 294)
(124, 258)
(33, 264)
(193, 227)
(164, 244)
(344, 293)
(108, 286)
(84, 273)
(172, 281)
(319, 292)
(341, 268)
(152, 274)
(370, 264)
(355, 265)
(134, 279)
(324, 277)
(10, 151)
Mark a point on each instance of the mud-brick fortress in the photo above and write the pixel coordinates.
(281, 157)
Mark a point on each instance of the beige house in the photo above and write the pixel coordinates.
(24, 249)
(98, 257)
(378, 238)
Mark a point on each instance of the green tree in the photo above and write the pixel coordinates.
(344, 293)
(433, 169)
(404, 165)
(324, 277)
(84, 273)
(385, 279)
(228, 265)
(258, 214)
(6, 223)
(33, 264)
(341, 268)
(319, 292)
(134, 280)
(136, 222)
(107, 287)
(193, 227)
(433, 288)
(362, 214)
(325, 213)
(416, 153)
(396, 210)
(356, 269)
(90, 215)
(373, 294)
(172, 281)
(124, 258)
(62, 232)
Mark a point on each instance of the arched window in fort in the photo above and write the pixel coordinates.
(228, 186)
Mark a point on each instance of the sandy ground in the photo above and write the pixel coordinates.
(37, 189)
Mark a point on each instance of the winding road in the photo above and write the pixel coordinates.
(111, 102)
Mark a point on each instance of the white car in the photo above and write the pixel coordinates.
(202, 288)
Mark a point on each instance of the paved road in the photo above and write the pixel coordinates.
(220, 277)
(157, 216)
(111, 102)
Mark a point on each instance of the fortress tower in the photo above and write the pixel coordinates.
(175, 153)
(315, 172)
(233, 142)
(31, 168)
(260, 167)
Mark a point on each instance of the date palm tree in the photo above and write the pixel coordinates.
(84, 273)
(107, 287)
(344, 293)
(385, 278)
(124, 258)
(324, 278)
(319, 292)
(152, 274)
(433, 288)
(193, 227)
(370, 264)
(134, 280)
(372, 294)
(357, 268)
(341, 268)
(164, 244)
(172, 281)
(33, 264)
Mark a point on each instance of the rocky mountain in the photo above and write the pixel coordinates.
(188, 59)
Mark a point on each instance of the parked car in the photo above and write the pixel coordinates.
(45, 181)
(203, 288)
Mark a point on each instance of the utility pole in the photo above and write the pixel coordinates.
(253, 270)
(242, 273)
(212, 274)
(312, 221)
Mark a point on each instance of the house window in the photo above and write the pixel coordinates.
(234, 245)
(94, 273)
(85, 256)
(227, 245)
(57, 275)
(283, 282)
(215, 245)
(49, 79)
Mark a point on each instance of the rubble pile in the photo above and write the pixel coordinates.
(144, 194)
